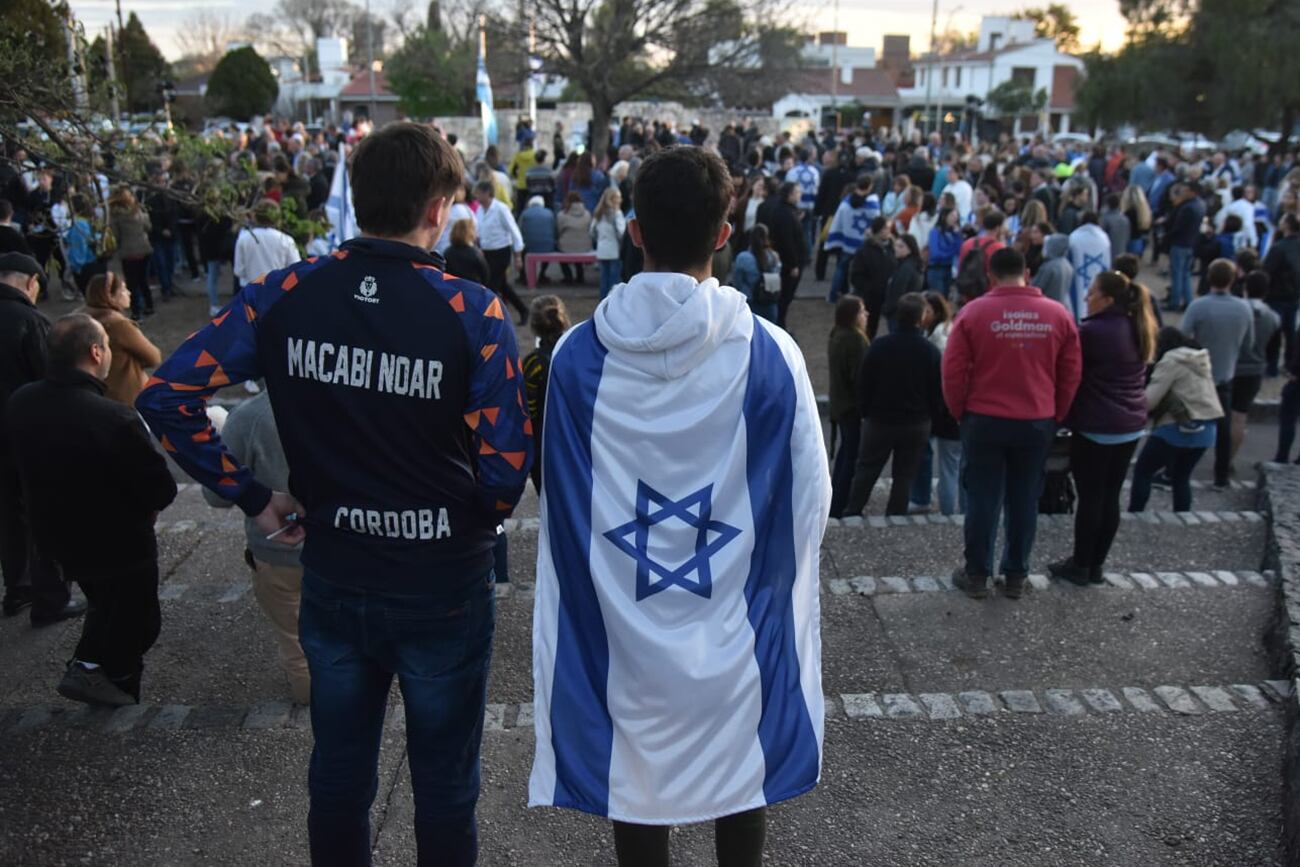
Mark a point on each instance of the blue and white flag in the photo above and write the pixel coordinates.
(676, 640)
(338, 207)
(809, 178)
(484, 94)
(1090, 254)
(850, 224)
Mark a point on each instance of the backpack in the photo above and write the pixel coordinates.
(1058, 486)
(973, 277)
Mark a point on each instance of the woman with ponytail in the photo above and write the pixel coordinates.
(1118, 339)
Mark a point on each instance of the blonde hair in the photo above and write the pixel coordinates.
(606, 203)
(1033, 213)
(1133, 199)
(464, 233)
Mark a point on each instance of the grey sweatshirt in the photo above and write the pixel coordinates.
(1056, 273)
(253, 439)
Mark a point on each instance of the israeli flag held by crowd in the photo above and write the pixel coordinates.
(677, 650)
(338, 207)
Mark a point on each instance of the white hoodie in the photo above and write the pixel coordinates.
(677, 652)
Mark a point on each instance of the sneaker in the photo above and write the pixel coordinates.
(214, 312)
(69, 295)
(74, 608)
(92, 686)
(918, 508)
(252, 387)
(974, 586)
(1160, 479)
(1067, 570)
(1015, 587)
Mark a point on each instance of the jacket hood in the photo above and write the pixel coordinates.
(1195, 360)
(1056, 246)
(665, 324)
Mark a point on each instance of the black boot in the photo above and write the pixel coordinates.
(1068, 570)
(974, 586)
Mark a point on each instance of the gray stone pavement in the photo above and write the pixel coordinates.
(1155, 739)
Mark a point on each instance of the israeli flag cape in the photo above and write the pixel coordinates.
(849, 225)
(676, 639)
(1090, 254)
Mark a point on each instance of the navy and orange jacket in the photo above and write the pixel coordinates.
(398, 395)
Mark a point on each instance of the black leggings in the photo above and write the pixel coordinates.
(738, 841)
(1099, 472)
(136, 273)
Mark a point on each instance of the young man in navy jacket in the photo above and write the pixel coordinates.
(399, 400)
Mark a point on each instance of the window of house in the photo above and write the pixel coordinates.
(1023, 76)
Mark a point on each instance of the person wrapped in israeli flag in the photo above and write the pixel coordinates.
(676, 642)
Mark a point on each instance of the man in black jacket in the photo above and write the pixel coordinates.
(31, 579)
(871, 269)
(782, 216)
(837, 179)
(94, 484)
(899, 393)
(1283, 266)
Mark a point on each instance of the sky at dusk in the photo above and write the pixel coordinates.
(865, 20)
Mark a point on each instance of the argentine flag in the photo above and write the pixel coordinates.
(676, 641)
(484, 95)
(338, 207)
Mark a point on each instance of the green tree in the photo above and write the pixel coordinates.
(678, 42)
(432, 73)
(40, 23)
(140, 67)
(1013, 99)
(242, 85)
(1055, 21)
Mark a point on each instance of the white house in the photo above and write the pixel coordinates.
(313, 96)
(839, 74)
(1007, 50)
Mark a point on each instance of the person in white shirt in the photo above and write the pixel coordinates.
(961, 191)
(499, 237)
(1244, 208)
(459, 211)
(262, 248)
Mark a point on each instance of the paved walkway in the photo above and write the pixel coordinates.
(1135, 723)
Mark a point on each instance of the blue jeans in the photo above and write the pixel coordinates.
(355, 641)
(1180, 276)
(841, 275)
(214, 280)
(1179, 462)
(1137, 246)
(846, 460)
(611, 271)
(947, 455)
(1004, 466)
(164, 262)
(938, 279)
(810, 226)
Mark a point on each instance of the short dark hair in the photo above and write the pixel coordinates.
(6, 209)
(878, 225)
(1128, 264)
(396, 172)
(1007, 263)
(1257, 284)
(71, 338)
(1112, 201)
(911, 307)
(1221, 273)
(1290, 222)
(1088, 218)
(681, 197)
(993, 220)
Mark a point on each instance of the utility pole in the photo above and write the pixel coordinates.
(370, 57)
(112, 76)
(532, 71)
(929, 72)
(75, 69)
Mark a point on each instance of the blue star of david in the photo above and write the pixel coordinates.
(639, 529)
(860, 222)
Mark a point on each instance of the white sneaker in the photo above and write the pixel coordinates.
(214, 311)
(252, 387)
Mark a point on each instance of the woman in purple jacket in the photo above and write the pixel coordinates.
(1118, 339)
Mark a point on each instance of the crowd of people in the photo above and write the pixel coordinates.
(399, 425)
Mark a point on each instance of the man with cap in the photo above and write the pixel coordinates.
(31, 579)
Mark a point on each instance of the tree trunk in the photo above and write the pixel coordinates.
(601, 112)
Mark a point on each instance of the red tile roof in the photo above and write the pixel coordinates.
(874, 85)
(359, 86)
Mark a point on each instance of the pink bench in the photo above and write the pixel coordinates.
(533, 261)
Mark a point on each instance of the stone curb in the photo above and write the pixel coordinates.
(1279, 494)
(272, 716)
(867, 585)
(1260, 410)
